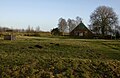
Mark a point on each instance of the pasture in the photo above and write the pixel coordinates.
(42, 57)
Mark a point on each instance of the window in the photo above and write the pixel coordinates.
(81, 34)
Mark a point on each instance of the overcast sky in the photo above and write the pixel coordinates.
(45, 13)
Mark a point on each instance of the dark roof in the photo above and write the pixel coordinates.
(81, 26)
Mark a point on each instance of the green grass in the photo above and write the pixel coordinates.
(42, 57)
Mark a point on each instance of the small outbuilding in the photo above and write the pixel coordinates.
(81, 31)
(9, 37)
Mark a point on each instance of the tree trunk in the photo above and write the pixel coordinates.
(102, 30)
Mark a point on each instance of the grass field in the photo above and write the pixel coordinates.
(42, 57)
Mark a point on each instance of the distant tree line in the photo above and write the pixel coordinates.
(29, 29)
(26, 32)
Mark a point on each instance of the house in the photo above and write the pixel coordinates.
(81, 31)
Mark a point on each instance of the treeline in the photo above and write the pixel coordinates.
(29, 29)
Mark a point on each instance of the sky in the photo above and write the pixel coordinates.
(46, 13)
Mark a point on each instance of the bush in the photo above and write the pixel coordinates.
(55, 31)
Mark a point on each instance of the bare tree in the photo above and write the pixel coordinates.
(103, 20)
(32, 29)
(28, 29)
(62, 25)
(71, 24)
(78, 20)
(37, 29)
